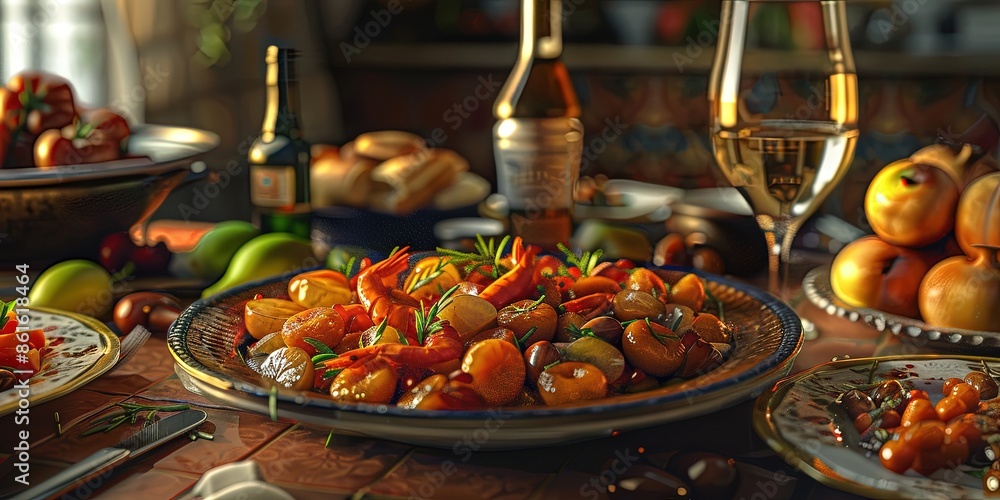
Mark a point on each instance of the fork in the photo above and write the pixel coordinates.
(131, 343)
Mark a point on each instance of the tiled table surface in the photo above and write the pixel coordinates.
(293, 455)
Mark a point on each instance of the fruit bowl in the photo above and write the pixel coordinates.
(818, 290)
(62, 212)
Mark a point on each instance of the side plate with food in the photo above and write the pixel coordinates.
(70, 351)
(892, 427)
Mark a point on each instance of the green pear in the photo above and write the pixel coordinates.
(78, 286)
(267, 255)
(209, 259)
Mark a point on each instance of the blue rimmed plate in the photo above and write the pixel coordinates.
(206, 338)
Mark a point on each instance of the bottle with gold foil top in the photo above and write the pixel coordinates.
(538, 137)
(279, 159)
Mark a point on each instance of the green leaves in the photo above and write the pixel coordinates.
(426, 325)
(129, 413)
(426, 280)
(487, 254)
(585, 262)
(321, 348)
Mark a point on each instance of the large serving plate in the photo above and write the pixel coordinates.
(797, 421)
(206, 337)
(817, 288)
(80, 349)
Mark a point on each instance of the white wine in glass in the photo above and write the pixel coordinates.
(784, 118)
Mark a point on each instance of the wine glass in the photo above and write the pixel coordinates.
(783, 96)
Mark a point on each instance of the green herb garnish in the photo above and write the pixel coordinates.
(487, 254)
(433, 275)
(321, 348)
(585, 261)
(426, 322)
(129, 413)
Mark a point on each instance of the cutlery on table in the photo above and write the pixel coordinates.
(132, 446)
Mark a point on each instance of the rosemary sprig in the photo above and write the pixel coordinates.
(487, 254)
(319, 359)
(585, 261)
(425, 322)
(429, 277)
(129, 413)
(321, 348)
(380, 330)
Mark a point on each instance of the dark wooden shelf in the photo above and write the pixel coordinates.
(656, 59)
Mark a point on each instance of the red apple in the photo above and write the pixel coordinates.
(872, 273)
(912, 204)
(116, 250)
(151, 260)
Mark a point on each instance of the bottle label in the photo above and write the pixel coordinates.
(538, 162)
(272, 185)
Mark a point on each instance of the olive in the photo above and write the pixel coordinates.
(567, 320)
(646, 481)
(949, 384)
(571, 382)
(985, 383)
(493, 333)
(709, 474)
(890, 390)
(855, 402)
(633, 304)
(155, 311)
(711, 328)
(599, 353)
(605, 328)
(539, 355)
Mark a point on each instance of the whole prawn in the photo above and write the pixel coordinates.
(517, 282)
(381, 299)
(440, 347)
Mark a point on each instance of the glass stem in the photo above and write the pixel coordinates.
(779, 235)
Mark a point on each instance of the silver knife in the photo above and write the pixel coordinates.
(132, 446)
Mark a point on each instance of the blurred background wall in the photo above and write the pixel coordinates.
(927, 68)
